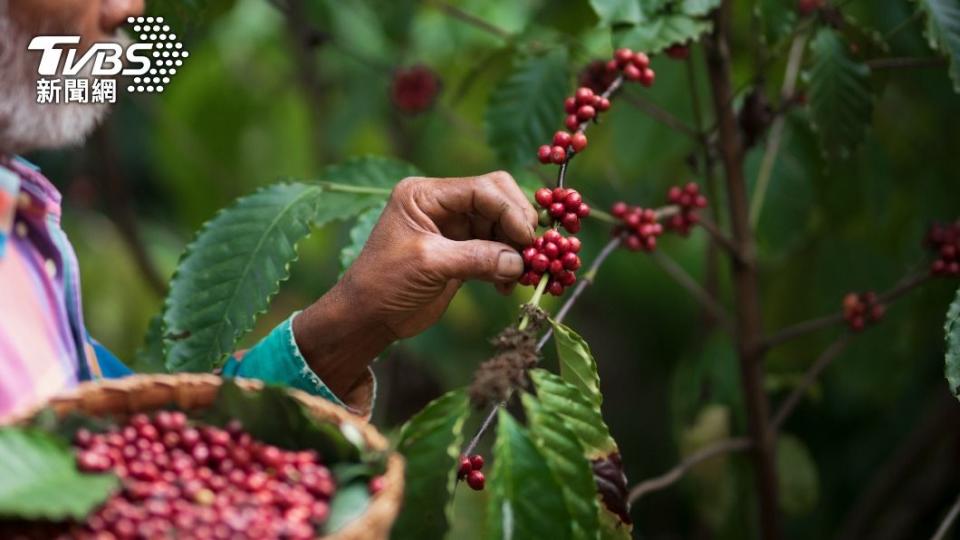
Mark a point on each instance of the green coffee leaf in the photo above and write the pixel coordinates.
(230, 272)
(698, 8)
(841, 102)
(430, 442)
(526, 501)
(952, 331)
(522, 112)
(943, 32)
(41, 480)
(358, 236)
(661, 32)
(348, 504)
(612, 12)
(577, 365)
(797, 473)
(149, 357)
(565, 457)
(578, 412)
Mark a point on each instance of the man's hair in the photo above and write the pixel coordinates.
(25, 124)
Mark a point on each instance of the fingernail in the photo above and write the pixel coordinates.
(509, 265)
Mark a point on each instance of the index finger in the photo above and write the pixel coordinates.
(495, 197)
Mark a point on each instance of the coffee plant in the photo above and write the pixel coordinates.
(555, 471)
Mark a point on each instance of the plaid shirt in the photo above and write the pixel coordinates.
(44, 345)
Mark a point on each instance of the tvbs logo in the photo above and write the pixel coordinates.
(150, 62)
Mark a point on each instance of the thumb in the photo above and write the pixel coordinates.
(477, 259)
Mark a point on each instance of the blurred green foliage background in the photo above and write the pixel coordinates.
(872, 450)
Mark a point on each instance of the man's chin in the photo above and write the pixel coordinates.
(36, 126)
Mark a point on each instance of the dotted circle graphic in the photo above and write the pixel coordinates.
(167, 53)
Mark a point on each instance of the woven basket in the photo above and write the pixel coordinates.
(144, 393)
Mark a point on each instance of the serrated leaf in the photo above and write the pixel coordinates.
(943, 32)
(612, 12)
(567, 461)
(564, 399)
(777, 19)
(41, 480)
(370, 172)
(430, 442)
(230, 272)
(358, 236)
(841, 102)
(952, 332)
(149, 357)
(797, 473)
(661, 32)
(577, 365)
(522, 112)
(525, 500)
(698, 8)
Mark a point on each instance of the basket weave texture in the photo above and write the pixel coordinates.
(145, 393)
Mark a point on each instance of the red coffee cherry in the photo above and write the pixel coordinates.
(414, 89)
(561, 138)
(678, 51)
(943, 240)
(572, 122)
(544, 153)
(476, 480)
(476, 461)
(579, 141)
(558, 155)
(806, 7)
(586, 112)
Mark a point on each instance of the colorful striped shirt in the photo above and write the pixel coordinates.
(44, 345)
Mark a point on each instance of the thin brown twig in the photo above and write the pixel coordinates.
(795, 59)
(721, 239)
(793, 400)
(947, 522)
(905, 285)
(582, 128)
(678, 274)
(661, 115)
(588, 279)
(473, 20)
(906, 62)
(676, 473)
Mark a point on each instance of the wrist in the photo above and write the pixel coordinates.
(339, 339)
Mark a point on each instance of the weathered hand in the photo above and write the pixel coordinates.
(432, 235)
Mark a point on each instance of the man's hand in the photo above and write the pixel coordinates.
(432, 235)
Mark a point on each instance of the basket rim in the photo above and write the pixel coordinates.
(130, 391)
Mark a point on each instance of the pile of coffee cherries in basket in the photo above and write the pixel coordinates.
(182, 480)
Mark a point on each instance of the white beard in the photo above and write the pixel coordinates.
(26, 125)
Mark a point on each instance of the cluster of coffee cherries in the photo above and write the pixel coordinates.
(689, 199)
(470, 470)
(582, 107)
(181, 480)
(561, 205)
(944, 241)
(640, 226)
(555, 255)
(861, 309)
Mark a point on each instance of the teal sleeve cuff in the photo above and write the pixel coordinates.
(277, 359)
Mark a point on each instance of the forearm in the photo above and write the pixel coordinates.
(339, 339)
